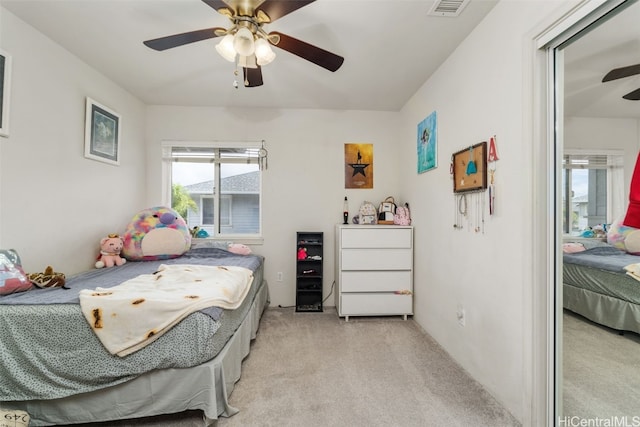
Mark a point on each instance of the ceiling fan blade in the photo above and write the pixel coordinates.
(252, 76)
(633, 96)
(220, 6)
(318, 56)
(276, 9)
(164, 43)
(618, 73)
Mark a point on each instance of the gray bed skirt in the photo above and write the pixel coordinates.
(165, 391)
(605, 310)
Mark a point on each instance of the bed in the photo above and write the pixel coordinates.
(69, 377)
(597, 286)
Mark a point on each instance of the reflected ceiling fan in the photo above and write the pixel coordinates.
(619, 73)
(246, 42)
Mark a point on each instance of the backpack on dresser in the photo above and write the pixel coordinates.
(402, 215)
(367, 214)
(386, 211)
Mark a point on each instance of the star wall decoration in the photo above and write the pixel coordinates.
(358, 171)
(359, 168)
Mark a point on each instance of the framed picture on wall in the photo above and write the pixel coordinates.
(470, 168)
(102, 133)
(358, 165)
(5, 89)
(427, 150)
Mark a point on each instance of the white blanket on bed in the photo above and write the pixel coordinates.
(135, 313)
(633, 270)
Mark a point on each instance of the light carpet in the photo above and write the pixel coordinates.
(601, 377)
(315, 369)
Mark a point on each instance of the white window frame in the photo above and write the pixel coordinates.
(615, 178)
(167, 162)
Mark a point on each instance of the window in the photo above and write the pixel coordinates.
(592, 186)
(215, 186)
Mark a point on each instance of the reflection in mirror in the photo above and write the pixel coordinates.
(600, 342)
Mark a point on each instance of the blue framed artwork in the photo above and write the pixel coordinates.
(102, 133)
(428, 143)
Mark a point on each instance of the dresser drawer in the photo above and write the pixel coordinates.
(375, 281)
(375, 304)
(377, 259)
(372, 237)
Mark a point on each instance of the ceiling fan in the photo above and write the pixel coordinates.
(619, 73)
(247, 42)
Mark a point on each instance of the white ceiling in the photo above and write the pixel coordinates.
(391, 47)
(613, 43)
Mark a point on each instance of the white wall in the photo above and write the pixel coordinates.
(303, 186)
(479, 92)
(55, 204)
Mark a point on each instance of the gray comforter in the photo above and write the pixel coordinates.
(601, 270)
(602, 257)
(49, 351)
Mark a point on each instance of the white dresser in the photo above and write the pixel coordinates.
(374, 270)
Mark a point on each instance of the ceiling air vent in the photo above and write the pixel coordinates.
(448, 7)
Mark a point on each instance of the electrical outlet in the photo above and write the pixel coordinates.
(461, 315)
(279, 276)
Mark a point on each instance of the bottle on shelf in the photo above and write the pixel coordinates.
(345, 211)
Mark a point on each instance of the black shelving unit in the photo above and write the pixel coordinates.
(309, 271)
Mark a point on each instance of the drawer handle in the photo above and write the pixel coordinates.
(403, 292)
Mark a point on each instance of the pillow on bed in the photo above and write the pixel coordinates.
(156, 233)
(239, 249)
(209, 243)
(588, 243)
(12, 277)
(573, 247)
(236, 248)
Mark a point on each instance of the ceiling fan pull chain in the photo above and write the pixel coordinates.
(235, 80)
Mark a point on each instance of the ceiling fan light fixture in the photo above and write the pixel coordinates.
(264, 54)
(238, 42)
(225, 48)
(243, 42)
(247, 61)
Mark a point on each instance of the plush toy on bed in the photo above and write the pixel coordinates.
(199, 233)
(12, 277)
(110, 248)
(624, 237)
(239, 249)
(155, 234)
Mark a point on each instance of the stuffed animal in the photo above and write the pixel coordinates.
(110, 248)
(156, 233)
(199, 233)
(48, 279)
(12, 277)
(302, 253)
(239, 249)
(624, 237)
